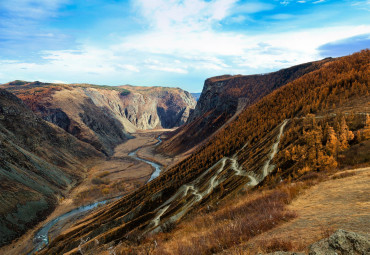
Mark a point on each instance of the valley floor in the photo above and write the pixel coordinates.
(107, 178)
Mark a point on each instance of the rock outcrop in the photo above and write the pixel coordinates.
(104, 116)
(342, 243)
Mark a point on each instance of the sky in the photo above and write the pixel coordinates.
(176, 43)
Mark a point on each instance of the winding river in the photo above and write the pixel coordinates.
(157, 167)
(41, 238)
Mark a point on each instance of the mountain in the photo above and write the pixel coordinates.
(101, 115)
(226, 96)
(39, 164)
(312, 124)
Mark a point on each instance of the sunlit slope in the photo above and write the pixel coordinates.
(224, 97)
(245, 153)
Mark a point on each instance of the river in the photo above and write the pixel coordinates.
(41, 238)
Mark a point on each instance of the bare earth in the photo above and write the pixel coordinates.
(330, 205)
(119, 168)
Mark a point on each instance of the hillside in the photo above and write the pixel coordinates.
(102, 115)
(226, 96)
(310, 125)
(39, 164)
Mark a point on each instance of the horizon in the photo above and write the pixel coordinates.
(172, 43)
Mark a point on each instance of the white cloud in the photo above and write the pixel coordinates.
(128, 67)
(181, 38)
(238, 19)
(286, 2)
(185, 14)
(168, 69)
(32, 9)
(221, 52)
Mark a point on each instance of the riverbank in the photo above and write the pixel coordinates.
(116, 176)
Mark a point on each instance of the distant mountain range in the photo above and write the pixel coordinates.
(102, 115)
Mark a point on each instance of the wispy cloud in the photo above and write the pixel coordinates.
(286, 2)
(22, 31)
(31, 9)
(365, 5)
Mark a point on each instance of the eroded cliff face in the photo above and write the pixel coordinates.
(157, 107)
(105, 116)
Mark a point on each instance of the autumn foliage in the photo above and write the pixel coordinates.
(315, 137)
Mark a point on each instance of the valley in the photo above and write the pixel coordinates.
(123, 169)
(257, 160)
(184, 127)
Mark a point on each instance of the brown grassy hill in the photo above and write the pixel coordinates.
(39, 163)
(102, 115)
(225, 96)
(308, 126)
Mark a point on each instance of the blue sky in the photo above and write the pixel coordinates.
(176, 43)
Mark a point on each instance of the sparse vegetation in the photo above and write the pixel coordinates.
(304, 102)
(123, 92)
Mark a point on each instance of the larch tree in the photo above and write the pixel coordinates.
(366, 132)
(345, 135)
(332, 142)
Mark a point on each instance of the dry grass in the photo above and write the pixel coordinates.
(340, 202)
(233, 223)
(343, 175)
(275, 244)
(229, 227)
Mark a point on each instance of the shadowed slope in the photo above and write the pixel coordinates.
(39, 163)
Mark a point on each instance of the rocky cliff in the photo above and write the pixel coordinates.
(224, 97)
(39, 163)
(104, 116)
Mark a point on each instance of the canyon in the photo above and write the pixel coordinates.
(105, 116)
(249, 141)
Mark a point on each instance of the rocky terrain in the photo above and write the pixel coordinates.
(39, 164)
(283, 142)
(339, 243)
(104, 116)
(226, 96)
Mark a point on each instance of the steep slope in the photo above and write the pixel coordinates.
(39, 163)
(225, 96)
(252, 149)
(101, 115)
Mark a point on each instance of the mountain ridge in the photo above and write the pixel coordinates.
(224, 97)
